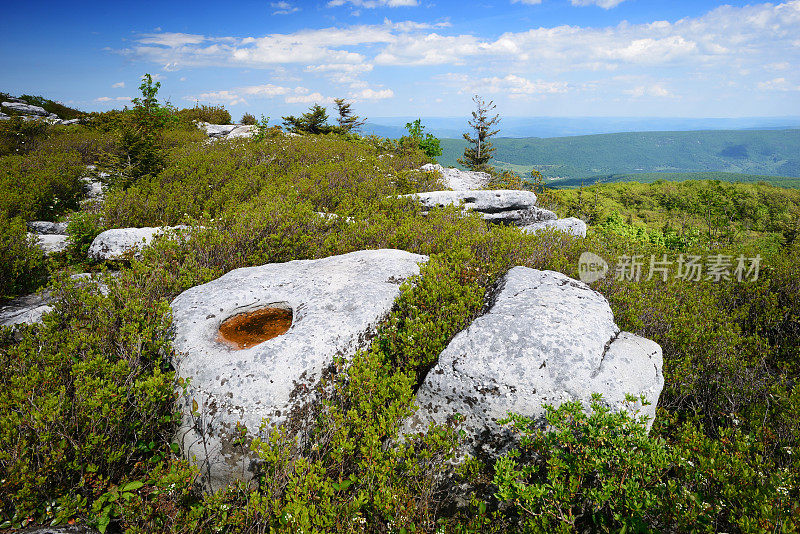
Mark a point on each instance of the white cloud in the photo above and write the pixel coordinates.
(113, 99)
(654, 90)
(510, 84)
(605, 4)
(371, 94)
(284, 8)
(118, 85)
(313, 98)
(528, 2)
(372, 4)
(778, 84)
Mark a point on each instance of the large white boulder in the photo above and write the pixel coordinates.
(242, 130)
(47, 227)
(27, 309)
(336, 304)
(505, 206)
(122, 243)
(547, 339)
(457, 179)
(570, 225)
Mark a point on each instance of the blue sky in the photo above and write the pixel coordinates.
(414, 57)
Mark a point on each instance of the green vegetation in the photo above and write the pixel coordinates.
(87, 408)
(764, 152)
(425, 141)
(203, 113)
(51, 106)
(248, 119)
(651, 177)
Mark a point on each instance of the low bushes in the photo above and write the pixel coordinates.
(22, 262)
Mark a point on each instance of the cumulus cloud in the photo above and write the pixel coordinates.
(372, 94)
(313, 98)
(118, 85)
(283, 8)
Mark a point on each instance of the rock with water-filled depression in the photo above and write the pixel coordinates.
(547, 339)
(254, 343)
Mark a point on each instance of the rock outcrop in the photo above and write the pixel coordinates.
(570, 225)
(547, 339)
(122, 243)
(227, 131)
(504, 206)
(27, 309)
(27, 109)
(457, 179)
(334, 305)
(51, 243)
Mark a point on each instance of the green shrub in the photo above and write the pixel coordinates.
(425, 141)
(210, 114)
(18, 136)
(96, 390)
(22, 262)
(83, 227)
(597, 472)
(63, 112)
(249, 119)
(40, 185)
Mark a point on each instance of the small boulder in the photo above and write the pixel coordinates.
(547, 339)
(47, 227)
(3, 116)
(570, 225)
(217, 130)
(122, 243)
(459, 180)
(51, 243)
(332, 305)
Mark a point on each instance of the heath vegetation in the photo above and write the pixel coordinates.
(87, 411)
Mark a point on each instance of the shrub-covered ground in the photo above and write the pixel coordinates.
(86, 398)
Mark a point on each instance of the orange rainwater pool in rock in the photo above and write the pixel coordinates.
(249, 329)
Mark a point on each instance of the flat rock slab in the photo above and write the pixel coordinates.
(504, 206)
(217, 130)
(336, 305)
(27, 309)
(457, 179)
(570, 225)
(122, 243)
(547, 339)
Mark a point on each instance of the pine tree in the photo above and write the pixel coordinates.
(479, 151)
(348, 122)
(315, 121)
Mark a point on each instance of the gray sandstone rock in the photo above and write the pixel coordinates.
(47, 227)
(547, 339)
(217, 130)
(51, 243)
(505, 206)
(336, 304)
(570, 225)
(459, 180)
(26, 109)
(4, 117)
(121, 243)
(242, 131)
(27, 309)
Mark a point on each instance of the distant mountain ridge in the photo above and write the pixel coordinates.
(755, 152)
(453, 127)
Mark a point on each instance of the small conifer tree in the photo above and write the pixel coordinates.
(348, 122)
(479, 151)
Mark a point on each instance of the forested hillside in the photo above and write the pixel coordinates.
(758, 152)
